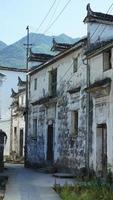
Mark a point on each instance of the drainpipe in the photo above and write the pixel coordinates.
(88, 109)
(87, 113)
(88, 116)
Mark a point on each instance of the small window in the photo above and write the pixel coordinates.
(15, 138)
(75, 64)
(75, 122)
(15, 130)
(35, 84)
(22, 100)
(53, 82)
(35, 127)
(107, 60)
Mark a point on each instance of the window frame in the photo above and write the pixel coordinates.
(52, 82)
(35, 84)
(75, 64)
(108, 58)
(35, 128)
(74, 122)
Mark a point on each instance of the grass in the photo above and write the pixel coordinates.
(89, 191)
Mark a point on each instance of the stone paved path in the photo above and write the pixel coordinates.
(26, 184)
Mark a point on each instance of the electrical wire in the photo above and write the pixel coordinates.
(57, 17)
(52, 17)
(100, 24)
(90, 38)
(44, 19)
(104, 26)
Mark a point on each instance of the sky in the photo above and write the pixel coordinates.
(15, 15)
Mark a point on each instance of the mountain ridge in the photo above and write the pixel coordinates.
(14, 55)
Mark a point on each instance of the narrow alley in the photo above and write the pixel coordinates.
(26, 184)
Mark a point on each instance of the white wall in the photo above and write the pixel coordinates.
(102, 107)
(10, 81)
(5, 126)
(99, 32)
(66, 79)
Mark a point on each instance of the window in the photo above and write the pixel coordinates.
(75, 122)
(35, 84)
(75, 64)
(35, 127)
(22, 100)
(15, 130)
(107, 60)
(15, 138)
(53, 82)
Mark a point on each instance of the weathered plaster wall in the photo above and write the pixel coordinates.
(69, 151)
(102, 110)
(18, 122)
(101, 33)
(5, 100)
(5, 125)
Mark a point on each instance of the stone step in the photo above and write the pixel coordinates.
(63, 175)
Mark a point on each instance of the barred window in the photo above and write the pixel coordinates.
(53, 82)
(107, 60)
(75, 122)
(75, 64)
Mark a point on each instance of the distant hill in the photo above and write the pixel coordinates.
(15, 55)
(2, 45)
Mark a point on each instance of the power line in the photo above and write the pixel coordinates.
(54, 12)
(57, 16)
(100, 24)
(105, 26)
(90, 38)
(46, 16)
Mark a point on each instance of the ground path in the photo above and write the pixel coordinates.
(26, 184)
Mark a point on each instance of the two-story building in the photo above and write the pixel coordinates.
(100, 89)
(11, 77)
(70, 101)
(17, 136)
(57, 109)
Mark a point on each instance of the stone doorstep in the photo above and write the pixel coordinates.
(63, 175)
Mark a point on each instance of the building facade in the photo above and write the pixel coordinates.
(70, 101)
(10, 81)
(17, 136)
(57, 110)
(99, 56)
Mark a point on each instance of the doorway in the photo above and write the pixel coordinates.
(50, 153)
(21, 142)
(101, 149)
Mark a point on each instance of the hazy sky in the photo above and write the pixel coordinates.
(15, 15)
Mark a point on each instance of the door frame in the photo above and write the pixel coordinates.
(103, 137)
(21, 147)
(50, 141)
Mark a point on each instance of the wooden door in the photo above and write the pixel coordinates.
(102, 148)
(21, 142)
(50, 144)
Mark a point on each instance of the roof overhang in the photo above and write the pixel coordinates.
(100, 88)
(94, 50)
(74, 90)
(45, 101)
(61, 55)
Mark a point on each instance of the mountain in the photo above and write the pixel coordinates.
(15, 55)
(2, 45)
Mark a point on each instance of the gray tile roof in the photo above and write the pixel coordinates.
(94, 16)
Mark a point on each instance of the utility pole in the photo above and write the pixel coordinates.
(27, 90)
